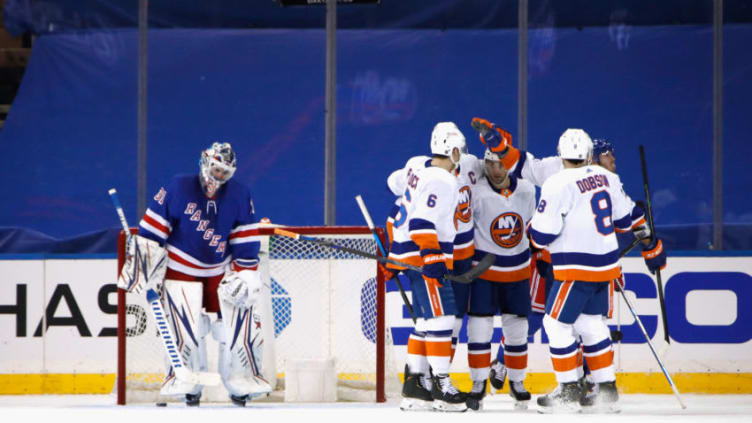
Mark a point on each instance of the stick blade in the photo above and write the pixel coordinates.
(198, 378)
(476, 271)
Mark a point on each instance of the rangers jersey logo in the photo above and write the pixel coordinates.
(464, 213)
(506, 230)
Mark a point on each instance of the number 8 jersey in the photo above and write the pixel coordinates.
(578, 212)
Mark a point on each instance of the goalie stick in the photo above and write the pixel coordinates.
(466, 277)
(369, 222)
(651, 225)
(163, 327)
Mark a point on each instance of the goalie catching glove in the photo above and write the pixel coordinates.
(145, 265)
(241, 289)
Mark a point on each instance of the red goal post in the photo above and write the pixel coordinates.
(303, 277)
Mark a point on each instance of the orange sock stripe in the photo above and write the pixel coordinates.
(600, 361)
(416, 347)
(516, 362)
(439, 349)
(564, 364)
(579, 357)
(479, 361)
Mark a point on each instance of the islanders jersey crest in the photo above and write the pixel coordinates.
(464, 212)
(506, 230)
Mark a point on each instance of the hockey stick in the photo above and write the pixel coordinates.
(173, 353)
(466, 277)
(628, 248)
(369, 222)
(651, 225)
(650, 344)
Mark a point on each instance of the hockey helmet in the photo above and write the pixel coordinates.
(575, 144)
(445, 138)
(601, 146)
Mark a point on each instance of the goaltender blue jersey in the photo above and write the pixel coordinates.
(203, 235)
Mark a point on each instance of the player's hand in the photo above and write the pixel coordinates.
(619, 283)
(388, 273)
(434, 266)
(541, 265)
(654, 255)
(493, 137)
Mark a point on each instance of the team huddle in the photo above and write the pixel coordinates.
(556, 263)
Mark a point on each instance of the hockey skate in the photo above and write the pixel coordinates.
(587, 387)
(415, 396)
(446, 397)
(238, 400)
(564, 399)
(520, 395)
(476, 395)
(603, 399)
(193, 400)
(498, 375)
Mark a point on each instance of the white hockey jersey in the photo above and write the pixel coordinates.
(524, 165)
(426, 214)
(468, 174)
(500, 220)
(577, 215)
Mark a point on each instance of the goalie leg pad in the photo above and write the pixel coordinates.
(182, 304)
(241, 338)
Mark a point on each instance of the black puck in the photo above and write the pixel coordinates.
(161, 404)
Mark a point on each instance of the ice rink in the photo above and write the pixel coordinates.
(101, 409)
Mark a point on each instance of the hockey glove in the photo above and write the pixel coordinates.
(434, 267)
(388, 273)
(495, 138)
(619, 283)
(654, 255)
(241, 289)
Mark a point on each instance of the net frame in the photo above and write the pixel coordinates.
(380, 366)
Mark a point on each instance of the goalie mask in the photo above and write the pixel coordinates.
(217, 167)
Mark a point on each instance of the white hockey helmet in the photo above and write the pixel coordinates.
(217, 166)
(490, 155)
(445, 138)
(575, 144)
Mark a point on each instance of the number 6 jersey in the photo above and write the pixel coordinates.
(578, 212)
(426, 216)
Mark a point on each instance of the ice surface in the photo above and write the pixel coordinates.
(102, 409)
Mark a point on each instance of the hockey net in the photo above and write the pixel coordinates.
(324, 304)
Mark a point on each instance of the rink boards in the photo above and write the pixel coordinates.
(709, 308)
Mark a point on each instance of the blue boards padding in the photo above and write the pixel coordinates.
(72, 131)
